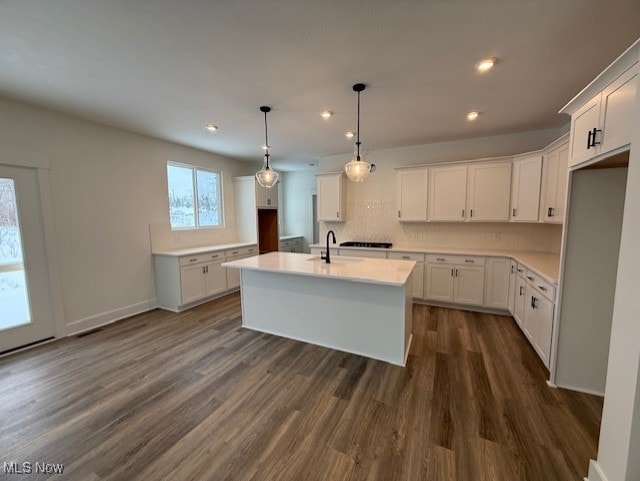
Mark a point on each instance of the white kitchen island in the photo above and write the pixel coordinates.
(357, 305)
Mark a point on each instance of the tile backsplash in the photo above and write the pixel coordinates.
(374, 220)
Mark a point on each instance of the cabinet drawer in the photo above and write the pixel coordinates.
(543, 287)
(205, 257)
(522, 270)
(455, 259)
(285, 243)
(406, 256)
(241, 252)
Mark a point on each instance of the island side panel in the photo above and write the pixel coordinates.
(358, 317)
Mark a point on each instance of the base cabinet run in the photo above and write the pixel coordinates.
(184, 281)
(456, 279)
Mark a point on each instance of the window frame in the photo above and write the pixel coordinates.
(194, 182)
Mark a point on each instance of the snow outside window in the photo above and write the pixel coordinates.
(195, 197)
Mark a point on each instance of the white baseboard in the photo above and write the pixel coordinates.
(462, 307)
(595, 473)
(579, 389)
(91, 322)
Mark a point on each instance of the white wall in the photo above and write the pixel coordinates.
(108, 186)
(371, 205)
(297, 204)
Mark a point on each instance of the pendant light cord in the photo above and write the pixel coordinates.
(358, 130)
(266, 139)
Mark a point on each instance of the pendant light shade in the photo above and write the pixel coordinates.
(266, 177)
(357, 170)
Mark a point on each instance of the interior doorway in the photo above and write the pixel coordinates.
(26, 314)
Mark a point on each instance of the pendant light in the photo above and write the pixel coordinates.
(266, 177)
(357, 170)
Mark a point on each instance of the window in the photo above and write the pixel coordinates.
(195, 197)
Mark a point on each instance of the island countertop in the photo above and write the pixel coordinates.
(374, 271)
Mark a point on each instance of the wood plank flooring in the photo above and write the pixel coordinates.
(193, 396)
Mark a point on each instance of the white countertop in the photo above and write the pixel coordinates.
(190, 251)
(289, 237)
(358, 269)
(545, 264)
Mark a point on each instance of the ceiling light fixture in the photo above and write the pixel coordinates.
(325, 114)
(211, 127)
(486, 64)
(472, 115)
(350, 135)
(357, 170)
(266, 177)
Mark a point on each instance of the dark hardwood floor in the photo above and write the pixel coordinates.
(193, 396)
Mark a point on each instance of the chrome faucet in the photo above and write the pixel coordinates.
(327, 256)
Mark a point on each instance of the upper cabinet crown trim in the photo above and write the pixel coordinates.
(613, 71)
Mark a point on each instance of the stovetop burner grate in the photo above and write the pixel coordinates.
(377, 245)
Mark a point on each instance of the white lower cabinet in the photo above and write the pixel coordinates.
(513, 278)
(456, 279)
(496, 282)
(538, 315)
(182, 281)
(233, 275)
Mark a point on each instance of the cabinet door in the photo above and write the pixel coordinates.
(331, 197)
(447, 193)
(488, 191)
(233, 278)
(418, 281)
(544, 325)
(583, 122)
(411, 194)
(215, 278)
(530, 322)
(496, 282)
(525, 189)
(266, 197)
(513, 277)
(558, 209)
(192, 283)
(520, 301)
(618, 101)
(440, 282)
(469, 285)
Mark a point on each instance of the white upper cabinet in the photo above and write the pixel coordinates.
(331, 197)
(601, 115)
(525, 188)
(447, 193)
(488, 191)
(266, 198)
(553, 195)
(411, 194)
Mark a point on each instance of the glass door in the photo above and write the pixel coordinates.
(25, 303)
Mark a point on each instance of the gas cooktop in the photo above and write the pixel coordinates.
(378, 245)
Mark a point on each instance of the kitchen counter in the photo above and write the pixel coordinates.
(191, 251)
(289, 237)
(545, 264)
(375, 271)
(354, 304)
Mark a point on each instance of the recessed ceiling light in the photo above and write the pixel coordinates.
(211, 127)
(325, 114)
(350, 135)
(486, 64)
(472, 115)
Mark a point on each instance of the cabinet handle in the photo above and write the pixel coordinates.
(520, 270)
(463, 213)
(203, 270)
(337, 214)
(469, 261)
(542, 288)
(521, 287)
(471, 212)
(440, 259)
(268, 201)
(399, 214)
(533, 302)
(234, 253)
(456, 272)
(589, 134)
(512, 271)
(193, 260)
(452, 272)
(406, 257)
(530, 278)
(514, 213)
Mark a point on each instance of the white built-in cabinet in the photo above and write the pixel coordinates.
(331, 197)
(603, 123)
(488, 191)
(520, 298)
(513, 277)
(186, 280)
(411, 194)
(525, 188)
(553, 193)
(447, 193)
(496, 282)
(456, 279)
(266, 198)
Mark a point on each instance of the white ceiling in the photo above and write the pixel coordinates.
(165, 68)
